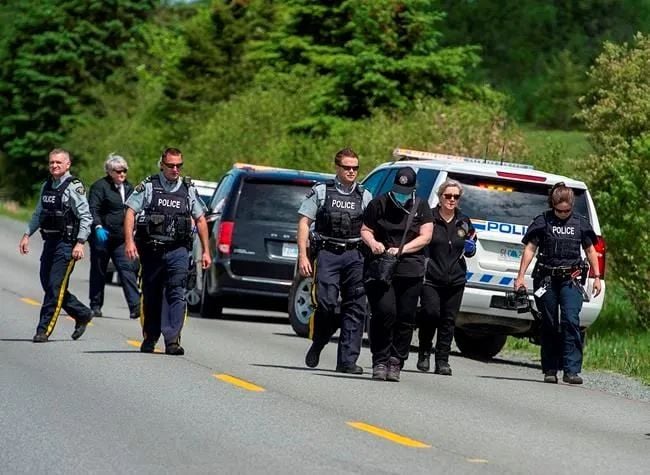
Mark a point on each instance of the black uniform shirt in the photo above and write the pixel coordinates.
(387, 221)
(107, 207)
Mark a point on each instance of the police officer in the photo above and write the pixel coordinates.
(106, 198)
(64, 218)
(336, 208)
(165, 204)
(559, 234)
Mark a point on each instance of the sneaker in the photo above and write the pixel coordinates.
(147, 346)
(550, 377)
(394, 369)
(350, 369)
(572, 378)
(40, 338)
(379, 372)
(313, 355)
(135, 314)
(174, 349)
(79, 329)
(443, 368)
(95, 312)
(423, 361)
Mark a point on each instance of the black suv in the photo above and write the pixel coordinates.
(253, 218)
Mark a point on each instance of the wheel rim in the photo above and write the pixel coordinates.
(302, 301)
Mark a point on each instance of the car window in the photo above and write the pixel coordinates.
(278, 202)
(387, 184)
(373, 182)
(219, 198)
(425, 180)
(507, 201)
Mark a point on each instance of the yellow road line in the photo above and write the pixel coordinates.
(70, 318)
(30, 301)
(239, 382)
(393, 437)
(138, 343)
(477, 461)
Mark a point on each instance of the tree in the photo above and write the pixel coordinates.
(56, 51)
(364, 55)
(616, 111)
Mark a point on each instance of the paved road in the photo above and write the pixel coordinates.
(241, 401)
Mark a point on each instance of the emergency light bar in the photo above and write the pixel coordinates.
(405, 153)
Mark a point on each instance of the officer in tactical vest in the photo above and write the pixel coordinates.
(165, 205)
(63, 216)
(559, 234)
(336, 207)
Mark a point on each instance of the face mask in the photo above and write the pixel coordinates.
(402, 198)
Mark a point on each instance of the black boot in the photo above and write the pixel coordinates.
(443, 368)
(423, 361)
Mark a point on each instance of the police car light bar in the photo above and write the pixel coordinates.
(405, 153)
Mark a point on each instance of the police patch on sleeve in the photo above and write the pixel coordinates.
(140, 187)
(80, 190)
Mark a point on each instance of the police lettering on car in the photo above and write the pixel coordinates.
(63, 216)
(336, 210)
(165, 205)
(558, 236)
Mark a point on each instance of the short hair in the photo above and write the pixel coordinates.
(59, 151)
(560, 193)
(114, 161)
(449, 184)
(169, 151)
(344, 152)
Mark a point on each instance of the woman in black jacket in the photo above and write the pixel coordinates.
(453, 240)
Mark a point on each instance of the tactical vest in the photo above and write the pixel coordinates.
(561, 243)
(57, 221)
(341, 215)
(167, 219)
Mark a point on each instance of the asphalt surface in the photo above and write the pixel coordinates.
(242, 401)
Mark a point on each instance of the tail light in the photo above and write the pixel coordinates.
(600, 248)
(224, 242)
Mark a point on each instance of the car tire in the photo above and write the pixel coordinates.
(478, 345)
(300, 306)
(209, 306)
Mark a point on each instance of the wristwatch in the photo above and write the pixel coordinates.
(597, 276)
(81, 241)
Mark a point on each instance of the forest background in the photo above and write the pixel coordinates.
(563, 85)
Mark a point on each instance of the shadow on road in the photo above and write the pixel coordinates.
(29, 340)
(268, 319)
(513, 379)
(295, 368)
(101, 352)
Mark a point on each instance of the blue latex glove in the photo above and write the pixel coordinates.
(101, 235)
(470, 246)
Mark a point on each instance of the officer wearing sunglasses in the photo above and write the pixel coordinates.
(164, 204)
(557, 236)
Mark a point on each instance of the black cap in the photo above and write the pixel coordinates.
(404, 180)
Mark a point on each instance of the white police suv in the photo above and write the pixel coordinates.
(501, 199)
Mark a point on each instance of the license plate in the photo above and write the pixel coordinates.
(510, 254)
(289, 249)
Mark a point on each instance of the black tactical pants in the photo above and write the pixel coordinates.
(439, 308)
(339, 273)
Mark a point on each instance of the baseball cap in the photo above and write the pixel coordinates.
(404, 180)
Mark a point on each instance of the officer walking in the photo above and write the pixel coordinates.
(165, 204)
(63, 216)
(336, 207)
(106, 198)
(559, 234)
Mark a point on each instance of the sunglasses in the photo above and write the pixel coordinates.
(122, 170)
(173, 165)
(349, 168)
(449, 196)
(561, 211)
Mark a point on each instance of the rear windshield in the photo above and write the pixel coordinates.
(506, 201)
(277, 202)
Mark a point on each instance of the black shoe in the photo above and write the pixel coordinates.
(572, 378)
(379, 372)
(550, 377)
(443, 368)
(95, 312)
(174, 349)
(135, 314)
(40, 338)
(423, 361)
(350, 369)
(79, 329)
(394, 368)
(313, 355)
(147, 346)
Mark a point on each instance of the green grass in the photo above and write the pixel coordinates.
(12, 210)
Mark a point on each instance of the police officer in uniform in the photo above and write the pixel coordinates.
(336, 208)
(164, 205)
(63, 216)
(106, 198)
(559, 234)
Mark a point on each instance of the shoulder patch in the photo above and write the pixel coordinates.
(80, 189)
(141, 185)
(310, 193)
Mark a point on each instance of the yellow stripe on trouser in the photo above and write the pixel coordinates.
(313, 301)
(59, 301)
(139, 281)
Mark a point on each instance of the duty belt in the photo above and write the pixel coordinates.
(335, 246)
(557, 272)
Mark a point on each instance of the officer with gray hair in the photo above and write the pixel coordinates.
(107, 197)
